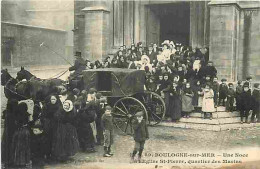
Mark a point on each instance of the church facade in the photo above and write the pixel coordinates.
(230, 29)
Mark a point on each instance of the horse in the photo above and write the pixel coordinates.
(36, 88)
(9, 84)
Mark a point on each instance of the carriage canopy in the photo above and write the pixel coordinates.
(115, 81)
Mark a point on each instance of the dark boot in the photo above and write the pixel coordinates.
(109, 151)
(133, 156)
(106, 154)
(140, 155)
(242, 120)
(205, 115)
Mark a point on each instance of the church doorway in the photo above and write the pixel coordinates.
(172, 21)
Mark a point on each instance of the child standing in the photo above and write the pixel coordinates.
(256, 103)
(230, 97)
(245, 102)
(187, 97)
(140, 135)
(108, 131)
(223, 92)
(208, 101)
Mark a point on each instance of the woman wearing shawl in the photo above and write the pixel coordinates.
(52, 106)
(65, 139)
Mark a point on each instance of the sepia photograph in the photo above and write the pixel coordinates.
(130, 84)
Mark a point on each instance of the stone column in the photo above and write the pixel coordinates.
(96, 32)
(224, 38)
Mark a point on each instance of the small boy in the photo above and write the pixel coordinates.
(107, 123)
(140, 135)
(223, 88)
(230, 97)
(256, 103)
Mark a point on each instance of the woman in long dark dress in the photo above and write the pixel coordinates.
(9, 115)
(85, 116)
(187, 96)
(52, 106)
(65, 139)
(21, 152)
(174, 109)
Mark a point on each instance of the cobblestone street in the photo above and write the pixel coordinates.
(166, 140)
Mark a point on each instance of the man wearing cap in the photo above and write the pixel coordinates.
(107, 123)
(79, 65)
(140, 135)
(246, 105)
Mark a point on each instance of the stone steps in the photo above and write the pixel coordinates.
(215, 121)
(217, 115)
(209, 127)
(221, 120)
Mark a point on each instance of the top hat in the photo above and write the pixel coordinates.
(78, 53)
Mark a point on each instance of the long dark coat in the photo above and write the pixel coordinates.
(65, 139)
(256, 100)
(246, 101)
(174, 110)
(140, 131)
(9, 115)
(85, 116)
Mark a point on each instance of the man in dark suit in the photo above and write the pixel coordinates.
(151, 54)
(79, 65)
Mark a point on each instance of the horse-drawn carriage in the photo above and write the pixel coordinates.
(124, 89)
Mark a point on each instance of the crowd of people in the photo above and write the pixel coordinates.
(73, 120)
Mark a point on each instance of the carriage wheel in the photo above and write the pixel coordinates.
(124, 112)
(155, 106)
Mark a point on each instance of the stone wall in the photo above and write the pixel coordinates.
(224, 39)
(27, 49)
(254, 46)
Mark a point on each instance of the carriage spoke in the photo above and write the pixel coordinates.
(131, 127)
(121, 110)
(156, 116)
(124, 107)
(126, 126)
(143, 98)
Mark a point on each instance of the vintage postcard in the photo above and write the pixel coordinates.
(116, 84)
